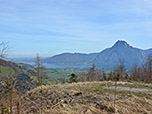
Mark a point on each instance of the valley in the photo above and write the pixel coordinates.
(35, 86)
(75, 56)
(107, 59)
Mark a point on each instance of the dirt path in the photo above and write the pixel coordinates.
(120, 88)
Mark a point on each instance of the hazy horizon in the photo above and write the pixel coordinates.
(44, 56)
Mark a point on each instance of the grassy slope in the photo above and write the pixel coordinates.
(58, 73)
(63, 73)
(95, 99)
(5, 71)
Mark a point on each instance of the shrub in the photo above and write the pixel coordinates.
(73, 78)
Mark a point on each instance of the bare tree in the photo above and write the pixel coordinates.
(83, 77)
(134, 73)
(148, 68)
(121, 70)
(9, 93)
(149, 64)
(103, 74)
(3, 83)
(38, 68)
(93, 74)
(41, 71)
(3, 49)
(41, 75)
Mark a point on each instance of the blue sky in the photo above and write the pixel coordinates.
(51, 27)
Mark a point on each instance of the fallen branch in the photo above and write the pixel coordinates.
(58, 103)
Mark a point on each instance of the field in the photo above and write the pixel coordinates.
(5, 71)
(89, 98)
(58, 73)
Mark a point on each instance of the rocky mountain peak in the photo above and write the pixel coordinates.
(121, 44)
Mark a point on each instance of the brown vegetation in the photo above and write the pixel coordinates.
(85, 98)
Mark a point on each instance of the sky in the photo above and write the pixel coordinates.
(51, 27)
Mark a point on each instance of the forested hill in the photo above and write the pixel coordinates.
(22, 77)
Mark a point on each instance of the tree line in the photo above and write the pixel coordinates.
(140, 74)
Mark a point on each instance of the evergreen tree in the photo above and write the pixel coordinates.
(73, 78)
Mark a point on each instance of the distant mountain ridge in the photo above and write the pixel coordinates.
(107, 59)
(72, 58)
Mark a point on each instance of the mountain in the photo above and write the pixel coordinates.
(72, 58)
(107, 59)
(121, 51)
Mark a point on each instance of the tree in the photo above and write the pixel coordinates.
(121, 70)
(73, 78)
(83, 77)
(9, 92)
(41, 75)
(3, 50)
(38, 68)
(127, 76)
(93, 74)
(8, 83)
(148, 68)
(149, 64)
(134, 73)
(3, 54)
(110, 76)
(103, 74)
(40, 71)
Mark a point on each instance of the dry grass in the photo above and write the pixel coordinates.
(84, 98)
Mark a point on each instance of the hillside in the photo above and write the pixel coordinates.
(107, 59)
(72, 58)
(19, 73)
(88, 98)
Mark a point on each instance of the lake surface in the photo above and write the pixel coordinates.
(81, 66)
